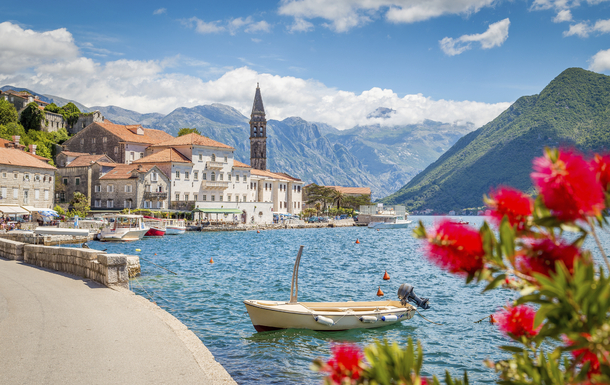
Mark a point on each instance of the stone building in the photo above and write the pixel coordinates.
(21, 99)
(25, 180)
(132, 186)
(123, 144)
(84, 120)
(76, 173)
(258, 133)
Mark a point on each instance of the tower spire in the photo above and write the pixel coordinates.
(258, 133)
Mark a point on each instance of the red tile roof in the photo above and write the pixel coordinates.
(3, 142)
(237, 163)
(87, 160)
(275, 175)
(40, 157)
(128, 133)
(125, 171)
(15, 157)
(193, 139)
(70, 153)
(352, 190)
(164, 156)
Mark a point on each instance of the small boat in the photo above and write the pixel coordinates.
(389, 222)
(174, 226)
(157, 227)
(331, 316)
(124, 227)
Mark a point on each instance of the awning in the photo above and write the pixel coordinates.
(218, 211)
(33, 209)
(13, 210)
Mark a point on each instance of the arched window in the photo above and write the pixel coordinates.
(213, 175)
(261, 132)
(213, 157)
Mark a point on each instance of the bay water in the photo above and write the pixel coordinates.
(207, 297)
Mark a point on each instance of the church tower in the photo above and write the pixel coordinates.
(258, 133)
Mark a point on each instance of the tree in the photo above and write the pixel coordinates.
(186, 131)
(8, 113)
(354, 202)
(7, 131)
(80, 205)
(70, 113)
(31, 117)
(53, 108)
(321, 194)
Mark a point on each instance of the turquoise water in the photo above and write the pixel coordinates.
(249, 265)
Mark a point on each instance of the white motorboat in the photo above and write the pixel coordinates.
(389, 222)
(123, 228)
(174, 226)
(330, 316)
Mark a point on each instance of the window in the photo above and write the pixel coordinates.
(204, 176)
(15, 193)
(236, 198)
(26, 176)
(159, 189)
(299, 188)
(93, 140)
(4, 196)
(229, 198)
(36, 194)
(213, 157)
(50, 179)
(220, 198)
(110, 188)
(104, 139)
(128, 188)
(46, 195)
(154, 177)
(213, 198)
(177, 174)
(195, 197)
(26, 195)
(160, 204)
(4, 174)
(195, 175)
(98, 188)
(186, 196)
(177, 196)
(132, 155)
(82, 141)
(15, 175)
(116, 150)
(98, 203)
(76, 181)
(186, 175)
(213, 177)
(245, 199)
(236, 177)
(141, 155)
(203, 197)
(36, 178)
(220, 176)
(109, 203)
(225, 159)
(228, 177)
(201, 157)
(127, 204)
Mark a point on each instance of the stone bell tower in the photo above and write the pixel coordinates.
(258, 133)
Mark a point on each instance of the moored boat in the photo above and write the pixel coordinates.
(124, 227)
(174, 226)
(389, 222)
(156, 226)
(330, 316)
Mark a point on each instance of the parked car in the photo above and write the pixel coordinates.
(313, 220)
(343, 216)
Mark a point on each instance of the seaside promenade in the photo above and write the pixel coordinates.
(60, 329)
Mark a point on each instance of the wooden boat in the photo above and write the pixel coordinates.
(156, 226)
(124, 227)
(330, 316)
(174, 226)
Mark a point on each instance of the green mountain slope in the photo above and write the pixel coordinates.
(572, 111)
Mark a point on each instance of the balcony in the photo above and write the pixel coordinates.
(155, 195)
(214, 165)
(214, 185)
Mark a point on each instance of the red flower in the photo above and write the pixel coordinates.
(517, 321)
(568, 185)
(345, 363)
(585, 355)
(516, 205)
(455, 247)
(542, 255)
(601, 164)
(424, 381)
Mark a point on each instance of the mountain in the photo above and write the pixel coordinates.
(380, 157)
(572, 111)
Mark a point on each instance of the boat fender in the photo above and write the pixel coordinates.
(368, 319)
(389, 318)
(324, 320)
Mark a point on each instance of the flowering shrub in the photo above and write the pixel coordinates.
(559, 322)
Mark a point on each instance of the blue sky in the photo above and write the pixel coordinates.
(329, 61)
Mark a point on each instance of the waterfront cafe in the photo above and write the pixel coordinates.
(234, 212)
(14, 213)
(215, 214)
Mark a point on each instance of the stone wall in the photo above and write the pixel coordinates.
(84, 120)
(47, 240)
(108, 269)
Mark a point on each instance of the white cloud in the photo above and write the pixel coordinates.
(563, 15)
(233, 25)
(261, 26)
(346, 14)
(600, 62)
(148, 86)
(300, 25)
(201, 26)
(495, 36)
(584, 29)
(160, 11)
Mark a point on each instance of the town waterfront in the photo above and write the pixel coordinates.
(249, 265)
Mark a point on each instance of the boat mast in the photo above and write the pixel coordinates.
(294, 287)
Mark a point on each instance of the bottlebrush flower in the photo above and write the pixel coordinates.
(456, 248)
(345, 363)
(424, 381)
(516, 205)
(517, 321)
(568, 185)
(585, 355)
(542, 254)
(601, 164)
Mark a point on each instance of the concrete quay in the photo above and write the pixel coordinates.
(59, 329)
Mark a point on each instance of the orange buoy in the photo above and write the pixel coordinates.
(357, 240)
(377, 229)
(379, 292)
(492, 320)
(211, 260)
(155, 253)
(258, 231)
(386, 276)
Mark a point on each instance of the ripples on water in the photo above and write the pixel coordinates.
(248, 265)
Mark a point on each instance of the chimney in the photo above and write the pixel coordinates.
(16, 139)
(33, 149)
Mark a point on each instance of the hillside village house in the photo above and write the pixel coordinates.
(122, 144)
(76, 173)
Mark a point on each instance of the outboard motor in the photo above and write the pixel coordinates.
(405, 293)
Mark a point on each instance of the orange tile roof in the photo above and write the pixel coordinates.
(127, 133)
(15, 157)
(3, 142)
(352, 190)
(39, 157)
(195, 139)
(125, 171)
(237, 163)
(275, 175)
(70, 153)
(86, 160)
(164, 156)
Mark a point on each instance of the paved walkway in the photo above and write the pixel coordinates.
(58, 329)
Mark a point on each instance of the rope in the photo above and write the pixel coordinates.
(479, 321)
(144, 259)
(426, 318)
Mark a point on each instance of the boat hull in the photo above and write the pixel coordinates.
(274, 315)
(389, 225)
(128, 236)
(174, 230)
(155, 232)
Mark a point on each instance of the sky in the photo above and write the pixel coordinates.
(330, 61)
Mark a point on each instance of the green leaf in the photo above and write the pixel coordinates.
(497, 281)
